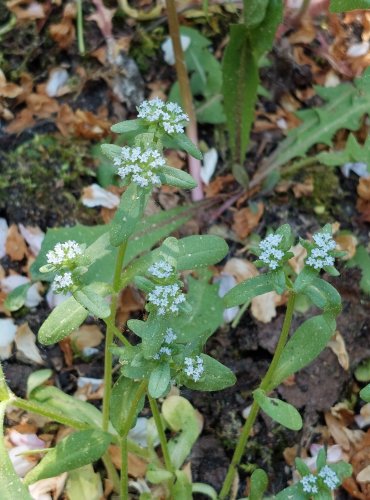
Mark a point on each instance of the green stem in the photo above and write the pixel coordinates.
(162, 438)
(297, 166)
(124, 448)
(110, 333)
(238, 317)
(265, 385)
(80, 28)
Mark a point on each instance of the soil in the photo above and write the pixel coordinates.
(40, 198)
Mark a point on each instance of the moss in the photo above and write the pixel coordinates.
(41, 181)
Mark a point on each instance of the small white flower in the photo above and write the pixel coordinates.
(62, 282)
(194, 367)
(139, 165)
(271, 255)
(163, 351)
(329, 477)
(63, 253)
(170, 336)
(319, 256)
(161, 269)
(309, 484)
(167, 298)
(167, 115)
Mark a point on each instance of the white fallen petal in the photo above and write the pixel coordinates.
(11, 282)
(25, 341)
(96, 196)
(208, 168)
(167, 48)
(358, 168)
(227, 282)
(21, 464)
(139, 432)
(33, 236)
(30, 440)
(47, 489)
(246, 412)
(358, 49)
(54, 299)
(57, 78)
(7, 331)
(33, 298)
(3, 236)
(95, 383)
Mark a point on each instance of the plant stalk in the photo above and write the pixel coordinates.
(162, 438)
(185, 93)
(80, 29)
(110, 334)
(265, 384)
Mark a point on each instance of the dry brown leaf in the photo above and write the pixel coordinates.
(363, 188)
(338, 346)
(241, 269)
(66, 348)
(15, 245)
(9, 90)
(30, 12)
(347, 243)
(25, 341)
(86, 336)
(41, 105)
(64, 33)
(297, 262)
(303, 189)
(247, 219)
(218, 185)
(23, 120)
(136, 466)
(264, 306)
(130, 300)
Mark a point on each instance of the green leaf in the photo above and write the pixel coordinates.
(130, 211)
(76, 450)
(176, 177)
(304, 346)
(352, 153)
(240, 84)
(156, 475)
(182, 487)
(320, 292)
(254, 12)
(345, 5)
(247, 290)
(346, 104)
(262, 35)
(206, 313)
(362, 260)
(281, 412)
(216, 376)
(37, 378)
(294, 492)
(65, 318)
(93, 302)
(182, 419)
(124, 393)
(259, 483)
(111, 151)
(204, 489)
(182, 141)
(362, 372)
(11, 486)
(365, 393)
(159, 380)
(199, 251)
(84, 483)
(342, 469)
(128, 126)
(17, 297)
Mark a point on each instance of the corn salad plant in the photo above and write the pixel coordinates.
(180, 316)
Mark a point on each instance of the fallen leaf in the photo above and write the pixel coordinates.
(34, 237)
(55, 86)
(15, 245)
(66, 348)
(136, 466)
(303, 189)
(86, 336)
(9, 90)
(31, 12)
(364, 475)
(103, 18)
(247, 219)
(264, 307)
(53, 486)
(338, 346)
(7, 335)
(347, 243)
(297, 262)
(64, 33)
(25, 341)
(95, 196)
(363, 188)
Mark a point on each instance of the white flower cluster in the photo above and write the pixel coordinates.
(165, 350)
(309, 484)
(194, 367)
(63, 252)
(167, 298)
(329, 477)
(319, 255)
(168, 115)
(271, 254)
(139, 165)
(62, 282)
(161, 269)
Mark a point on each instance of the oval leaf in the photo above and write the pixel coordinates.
(176, 177)
(281, 412)
(93, 302)
(247, 290)
(127, 126)
(65, 318)
(76, 450)
(200, 251)
(159, 380)
(365, 393)
(183, 142)
(17, 297)
(123, 395)
(259, 483)
(216, 376)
